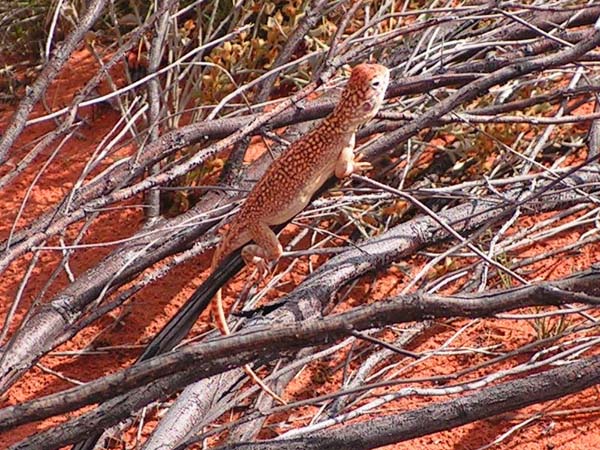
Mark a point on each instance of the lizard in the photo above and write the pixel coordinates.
(291, 180)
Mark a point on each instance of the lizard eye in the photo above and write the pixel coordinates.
(375, 83)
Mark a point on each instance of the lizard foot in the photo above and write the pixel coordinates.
(360, 165)
(363, 166)
(252, 255)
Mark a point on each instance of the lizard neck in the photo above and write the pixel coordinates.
(338, 122)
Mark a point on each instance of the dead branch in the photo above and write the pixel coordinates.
(85, 93)
(312, 296)
(189, 135)
(199, 361)
(476, 88)
(152, 197)
(95, 194)
(381, 144)
(472, 71)
(488, 402)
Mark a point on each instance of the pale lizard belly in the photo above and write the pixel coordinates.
(301, 196)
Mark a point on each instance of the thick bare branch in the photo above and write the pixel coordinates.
(312, 296)
(202, 360)
(488, 402)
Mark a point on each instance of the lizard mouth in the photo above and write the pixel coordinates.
(370, 107)
(367, 106)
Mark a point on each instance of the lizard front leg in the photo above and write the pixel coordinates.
(346, 164)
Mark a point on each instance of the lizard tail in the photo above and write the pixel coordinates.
(217, 310)
(218, 313)
(221, 322)
(257, 380)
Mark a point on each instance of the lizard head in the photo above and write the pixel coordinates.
(363, 94)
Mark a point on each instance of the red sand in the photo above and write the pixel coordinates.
(153, 307)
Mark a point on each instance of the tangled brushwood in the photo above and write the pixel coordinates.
(456, 280)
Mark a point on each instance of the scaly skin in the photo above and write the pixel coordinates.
(289, 183)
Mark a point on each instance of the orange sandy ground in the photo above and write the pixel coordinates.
(151, 308)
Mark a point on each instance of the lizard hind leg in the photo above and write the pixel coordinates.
(254, 255)
(266, 248)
